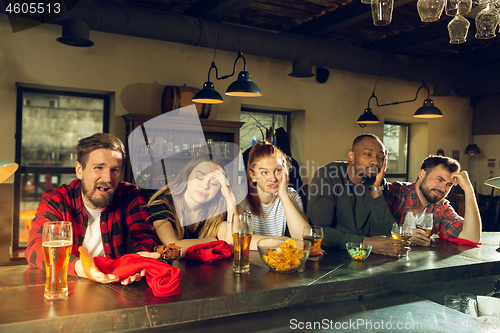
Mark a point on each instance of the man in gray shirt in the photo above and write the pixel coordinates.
(347, 200)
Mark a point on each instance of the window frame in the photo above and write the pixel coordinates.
(17, 251)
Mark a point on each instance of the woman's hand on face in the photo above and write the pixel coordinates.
(224, 184)
(283, 182)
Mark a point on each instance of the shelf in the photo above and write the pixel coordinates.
(217, 130)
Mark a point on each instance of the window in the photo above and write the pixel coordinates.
(48, 126)
(396, 142)
(257, 122)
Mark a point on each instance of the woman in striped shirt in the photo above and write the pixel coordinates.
(276, 209)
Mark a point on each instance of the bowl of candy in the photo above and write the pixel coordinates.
(358, 251)
(284, 256)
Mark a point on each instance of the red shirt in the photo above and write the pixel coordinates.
(124, 216)
(402, 197)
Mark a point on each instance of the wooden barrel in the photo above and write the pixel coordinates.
(175, 97)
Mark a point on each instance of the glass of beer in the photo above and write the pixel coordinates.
(242, 229)
(401, 232)
(57, 239)
(425, 223)
(315, 236)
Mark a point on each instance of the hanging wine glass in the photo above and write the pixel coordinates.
(366, 2)
(454, 7)
(457, 29)
(486, 22)
(430, 10)
(382, 12)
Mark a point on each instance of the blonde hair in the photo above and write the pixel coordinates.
(215, 208)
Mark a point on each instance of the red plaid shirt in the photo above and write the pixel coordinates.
(124, 216)
(402, 197)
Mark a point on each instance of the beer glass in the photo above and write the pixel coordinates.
(401, 232)
(242, 229)
(57, 239)
(425, 223)
(315, 236)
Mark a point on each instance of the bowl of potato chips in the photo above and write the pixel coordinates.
(284, 256)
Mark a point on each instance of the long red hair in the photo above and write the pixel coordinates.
(260, 150)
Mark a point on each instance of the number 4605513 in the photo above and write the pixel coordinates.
(33, 8)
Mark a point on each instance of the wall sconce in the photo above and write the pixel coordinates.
(7, 169)
(428, 110)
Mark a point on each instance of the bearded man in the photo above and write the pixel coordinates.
(103, 211)
(437, 175)
(347, 199)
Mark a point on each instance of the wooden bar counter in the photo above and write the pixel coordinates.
(211, 291)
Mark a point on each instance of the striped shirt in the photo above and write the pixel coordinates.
(272, 221)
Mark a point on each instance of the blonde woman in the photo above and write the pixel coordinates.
(191, 210)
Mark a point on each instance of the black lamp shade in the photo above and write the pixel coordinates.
(472, 149)
(208, 95)
(368, 117)
(243, 86)
(75, 32)
(428, 110)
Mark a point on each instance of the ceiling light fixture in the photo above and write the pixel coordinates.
(428, 110)
(430, 11)
(472, 149)
(242, 87)
(301, 68)
(75, 32)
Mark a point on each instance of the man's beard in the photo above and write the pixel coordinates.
(368, 177)
(96, 201)
(427, 193)
(369, 180)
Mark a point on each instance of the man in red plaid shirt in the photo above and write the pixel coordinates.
(436, 177)
(103, 210)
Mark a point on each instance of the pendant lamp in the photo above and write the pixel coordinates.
(428, 110)
(243, 86)
(472, 149)
(208, 94)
